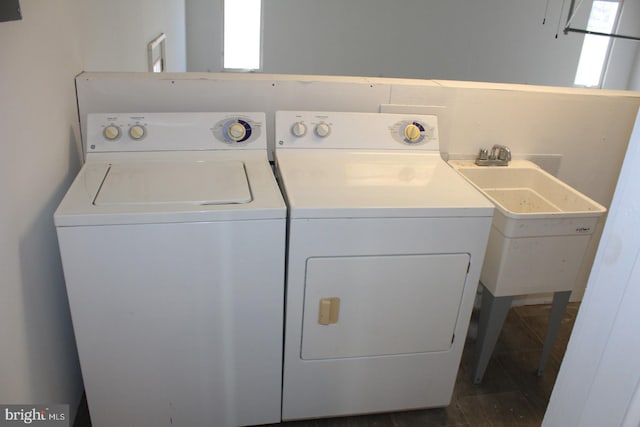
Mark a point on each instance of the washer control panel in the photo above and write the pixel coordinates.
(381, 131)
(174, 132)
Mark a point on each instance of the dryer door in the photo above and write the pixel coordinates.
(381, 305)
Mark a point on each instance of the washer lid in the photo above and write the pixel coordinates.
(162, 183)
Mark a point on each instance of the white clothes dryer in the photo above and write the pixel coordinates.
(172, 239)
(385, 247)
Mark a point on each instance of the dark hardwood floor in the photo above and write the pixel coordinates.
(510, 395)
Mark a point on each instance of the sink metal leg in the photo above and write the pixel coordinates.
(493, 313)
(560, 301)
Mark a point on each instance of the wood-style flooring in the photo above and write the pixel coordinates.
(510, 394)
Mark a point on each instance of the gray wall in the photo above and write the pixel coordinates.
(489, 40)
(115, 33)
(622, 72)
(204, 35)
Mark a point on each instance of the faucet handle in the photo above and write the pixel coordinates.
(505, 154)
(501, 152)
(483, 154)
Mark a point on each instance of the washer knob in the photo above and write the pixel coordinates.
(137, 132)
(299, 129)
(237, 131)
(412, 133)
(111, 132)
(322, 129)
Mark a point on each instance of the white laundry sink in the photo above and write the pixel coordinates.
(541, 228)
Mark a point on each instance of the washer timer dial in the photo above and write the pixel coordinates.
(236, 130)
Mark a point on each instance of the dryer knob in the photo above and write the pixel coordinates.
(137, 132)
(237, 131)
(111, 132)
(412, 133)
(322, 129)
(299, 129)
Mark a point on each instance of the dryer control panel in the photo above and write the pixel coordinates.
(374, 131)
(121, 132)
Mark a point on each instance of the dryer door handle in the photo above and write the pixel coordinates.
(328, 312)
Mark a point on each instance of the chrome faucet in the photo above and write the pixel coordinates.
(500, 155)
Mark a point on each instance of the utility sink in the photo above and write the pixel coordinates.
(541, 228)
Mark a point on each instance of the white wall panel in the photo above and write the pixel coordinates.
(600, 371)
(586, 130)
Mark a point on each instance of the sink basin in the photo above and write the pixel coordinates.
(541, 228)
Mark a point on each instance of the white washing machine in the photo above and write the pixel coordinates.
(172, 239)
(385, 247)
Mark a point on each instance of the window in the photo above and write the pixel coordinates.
(595, 48)
(242, 35)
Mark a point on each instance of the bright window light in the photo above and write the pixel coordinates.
(242, 31)
(595, 48)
